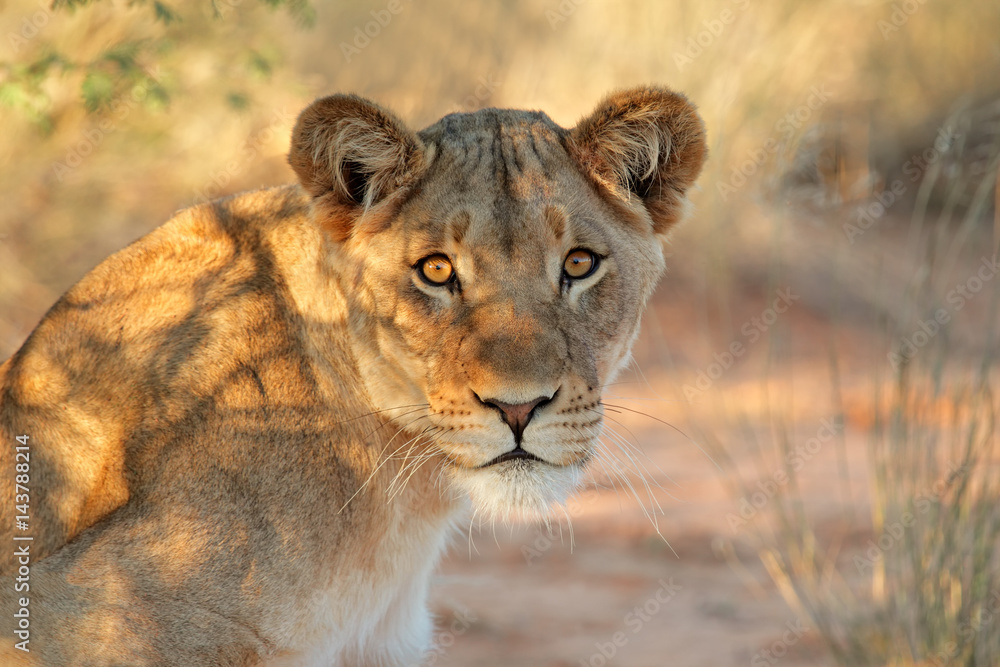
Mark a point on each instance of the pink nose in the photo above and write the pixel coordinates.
(517, 416)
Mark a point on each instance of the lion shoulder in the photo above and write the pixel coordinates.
(183, 317)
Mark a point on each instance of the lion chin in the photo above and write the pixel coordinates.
(521, 490)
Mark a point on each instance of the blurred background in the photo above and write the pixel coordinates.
(801, 463)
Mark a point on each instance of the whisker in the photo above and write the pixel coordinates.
(689, 438)
(415, 463)
(634, 446)
(651, 516)
(406, 458)
(614, 462)
(635, 467)
(375, 412)
(409, 462)
(472, 542)
(627, 447)
(384, 461)
(391, 421)
(629, 450)
(569, 526)
(607, 474)
(640, 398)
(623, 478)
(618, 464)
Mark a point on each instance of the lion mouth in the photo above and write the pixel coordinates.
(516, 454)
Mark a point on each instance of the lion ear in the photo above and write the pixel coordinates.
(350, 154)
(648, 142)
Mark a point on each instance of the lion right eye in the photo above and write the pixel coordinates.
(580, 263)
(436, 270)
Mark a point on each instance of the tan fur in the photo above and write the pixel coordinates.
(252, 430)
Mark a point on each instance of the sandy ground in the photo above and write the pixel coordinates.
(625, 595)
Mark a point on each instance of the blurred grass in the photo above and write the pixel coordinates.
(821, 104)
(213, 77)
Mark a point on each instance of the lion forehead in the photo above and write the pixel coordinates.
(514, 153)
(501, 183)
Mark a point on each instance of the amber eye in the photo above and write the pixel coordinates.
(436, 270)
(580, 263)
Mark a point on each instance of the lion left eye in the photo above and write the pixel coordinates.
(579, 264)
(436, 270)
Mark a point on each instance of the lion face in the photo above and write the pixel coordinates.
(497, 266)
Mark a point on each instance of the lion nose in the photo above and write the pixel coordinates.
(517, 415)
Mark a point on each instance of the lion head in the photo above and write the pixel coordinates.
(496, 266)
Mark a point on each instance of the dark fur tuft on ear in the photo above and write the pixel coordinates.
(648, 142)
(350, 154)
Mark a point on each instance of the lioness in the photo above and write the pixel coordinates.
(246, 438)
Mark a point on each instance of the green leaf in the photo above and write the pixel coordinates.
(259, 65)
(238, 101)
(70, 4)
(124, 55)
(38, 71)
(98, 88)
(157, 98)
(164, 13)
(301, 10)
(13, 95)
(29, 101)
